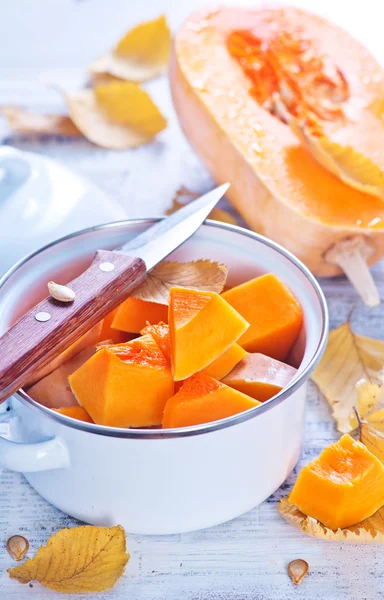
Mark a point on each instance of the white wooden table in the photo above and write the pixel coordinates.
(52, 41)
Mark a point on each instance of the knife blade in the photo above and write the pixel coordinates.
(51, 327)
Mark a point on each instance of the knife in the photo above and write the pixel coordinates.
(51, 327)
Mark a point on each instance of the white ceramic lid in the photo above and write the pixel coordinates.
(42, 200)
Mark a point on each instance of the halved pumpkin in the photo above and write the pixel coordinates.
(342, 487)
(259, 376)
(125, 385)
(202, 326)
(202, 399)
(278, 187)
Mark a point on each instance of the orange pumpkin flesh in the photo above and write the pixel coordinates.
(75, 412)
(342, 487)
(273, 312)
(132, 315)
(202, 327)
(276, 185)
(202, 399)
(126, 385)
(160, 333)
(220, 367)
(113, 334)
(259, 376)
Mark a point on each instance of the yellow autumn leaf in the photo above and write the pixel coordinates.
(198, 275)
(141, 54)
(117, 115)
(349, 358)
(216, 214)
(349, 165)
(30, 123)
(78, 560)
(369, 530)
(370, 416)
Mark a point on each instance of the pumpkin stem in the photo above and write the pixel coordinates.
(351, 255)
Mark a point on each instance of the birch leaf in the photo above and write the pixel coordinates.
(349, 165)
(216, 214)
(369, 530)
(349, 358)
(30, 123)
(198, 275)
(117, 115)
(141, 54)
(78, 560)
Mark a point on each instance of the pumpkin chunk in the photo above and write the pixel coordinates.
(260, 376)
(110, 333)
(273, 312)
(125, 385)
(202, 399)
(160, 333)
(202, 327)
(342, 487)
(75, 412)
(133, 314)
(220, 367)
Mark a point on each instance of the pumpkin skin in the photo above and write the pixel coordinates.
(259, 376)
(274, 314)
(342, 487)
(202, 399)
(276, 185)
(125, 385)
(202, 326)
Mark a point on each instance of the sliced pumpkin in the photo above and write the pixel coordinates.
(202, 327)
(110, 333)
(160, 333)
(277, 185)
(260, 376)
(220, 367)
(342, 487)
(125, 385)
(274, 314)
(202, 399)
(75, 412)
(133, 314)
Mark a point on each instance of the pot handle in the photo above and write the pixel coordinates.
(30, 458)
(16, 171)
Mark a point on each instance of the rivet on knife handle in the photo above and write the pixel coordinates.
(51, 326)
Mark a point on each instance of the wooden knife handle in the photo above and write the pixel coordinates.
(30, 344)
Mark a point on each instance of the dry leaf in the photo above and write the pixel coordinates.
(348, 358)
(369, 530)
(116, 115)
(349, 165)
(141, 54)
(198, 275)
(26, 122)
(371, 398)
(216, 214)
(78, 560)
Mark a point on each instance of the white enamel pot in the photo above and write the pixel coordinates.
(162, 481)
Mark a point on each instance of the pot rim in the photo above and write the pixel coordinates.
(157, 433)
